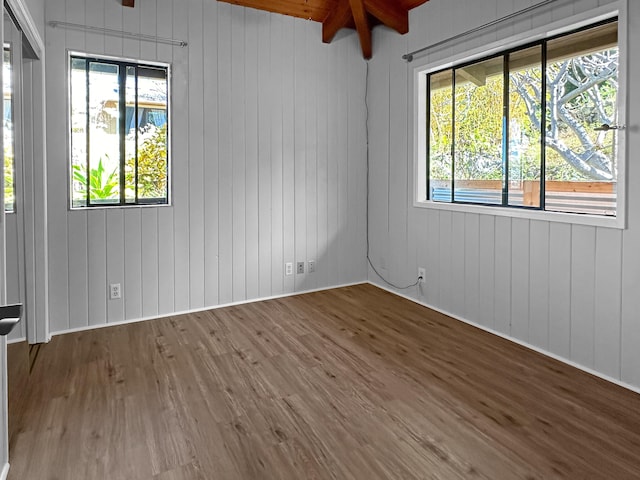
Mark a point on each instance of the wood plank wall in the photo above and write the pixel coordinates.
(569, 290)
(268, 164)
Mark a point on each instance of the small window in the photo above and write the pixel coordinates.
(9, 163)
(119, 133)
(531, 128)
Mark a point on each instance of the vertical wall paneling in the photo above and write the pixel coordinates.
(211, 158)
(311, 183)
(539, 250)
(520, 267)
(432, 247)
(115, 262)
(502, 280)
(560, 289)
(264, 159)
(471, 266)
(78, 282)
(57, 171)
(300, 151)
(445, 277)
(97, 267)
(607, 297)
(276, 131)
(486, 287)
(322, 165)
(583, 249)
(181, 156)
(225, 188)
(251, 154)
(165, 258)
(288, 148)
(132, 287)
(196, 177)
(458, 261)
(238, 147)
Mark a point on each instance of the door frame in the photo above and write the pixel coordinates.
(34, 179)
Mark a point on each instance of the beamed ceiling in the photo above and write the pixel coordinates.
(334, 15)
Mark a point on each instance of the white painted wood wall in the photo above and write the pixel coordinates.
(573, 291)
(268, 160)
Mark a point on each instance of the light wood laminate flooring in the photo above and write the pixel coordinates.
(351, 383)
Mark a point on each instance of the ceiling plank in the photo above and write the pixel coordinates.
(392, 14)
(338, 18)
(362, 26)
(127, 3)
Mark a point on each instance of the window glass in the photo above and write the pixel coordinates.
(534, 127)
(479, 132)
(118, 133)
(9, 166)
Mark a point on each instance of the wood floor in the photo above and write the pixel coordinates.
(352, 383)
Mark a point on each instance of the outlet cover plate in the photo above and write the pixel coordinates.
(300, 269)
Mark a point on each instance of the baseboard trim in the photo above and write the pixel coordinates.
(571, 363)
(5, 472)
(204, 309)
(16, 340)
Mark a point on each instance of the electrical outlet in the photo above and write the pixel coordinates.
(312, 266)
(422, 275)
(114, 291)
(300, 268)
(288, 268)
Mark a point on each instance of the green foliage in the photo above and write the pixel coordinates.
(8, 180)
(102, 185)
(152, 166)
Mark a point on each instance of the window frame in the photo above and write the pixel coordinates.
(120, 61)
(420, 107)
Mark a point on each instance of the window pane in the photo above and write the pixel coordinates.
(130, 128)
(478, 132)
(582, 87)
(152, 135)
(440, 135)
(525, 107)
(9, 169)
(78, 115)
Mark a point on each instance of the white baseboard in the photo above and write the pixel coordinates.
(595, 373)
(204, 309)
(5, 472)
(16, 340)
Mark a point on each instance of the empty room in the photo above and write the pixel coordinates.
(320, 239)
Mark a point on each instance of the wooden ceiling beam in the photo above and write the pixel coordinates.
(390, 13)
(362, 26)
(338, 18)
(128, 3)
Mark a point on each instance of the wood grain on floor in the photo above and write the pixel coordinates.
(351, 383)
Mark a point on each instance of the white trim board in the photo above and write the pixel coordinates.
(546, 353)
(204, 309)
(5, 472)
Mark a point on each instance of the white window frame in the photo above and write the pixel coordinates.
(168, 66)
(420, 132)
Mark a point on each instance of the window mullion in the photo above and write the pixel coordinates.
(135, 148)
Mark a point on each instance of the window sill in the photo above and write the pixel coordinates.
(568, 218)
(118, 207)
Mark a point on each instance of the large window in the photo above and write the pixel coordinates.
(119, 120)
(534, 127)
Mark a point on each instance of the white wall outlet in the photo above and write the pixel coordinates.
(114, 291)
(422, 275)
(288, 268)
(312, 266)
(300, 269)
